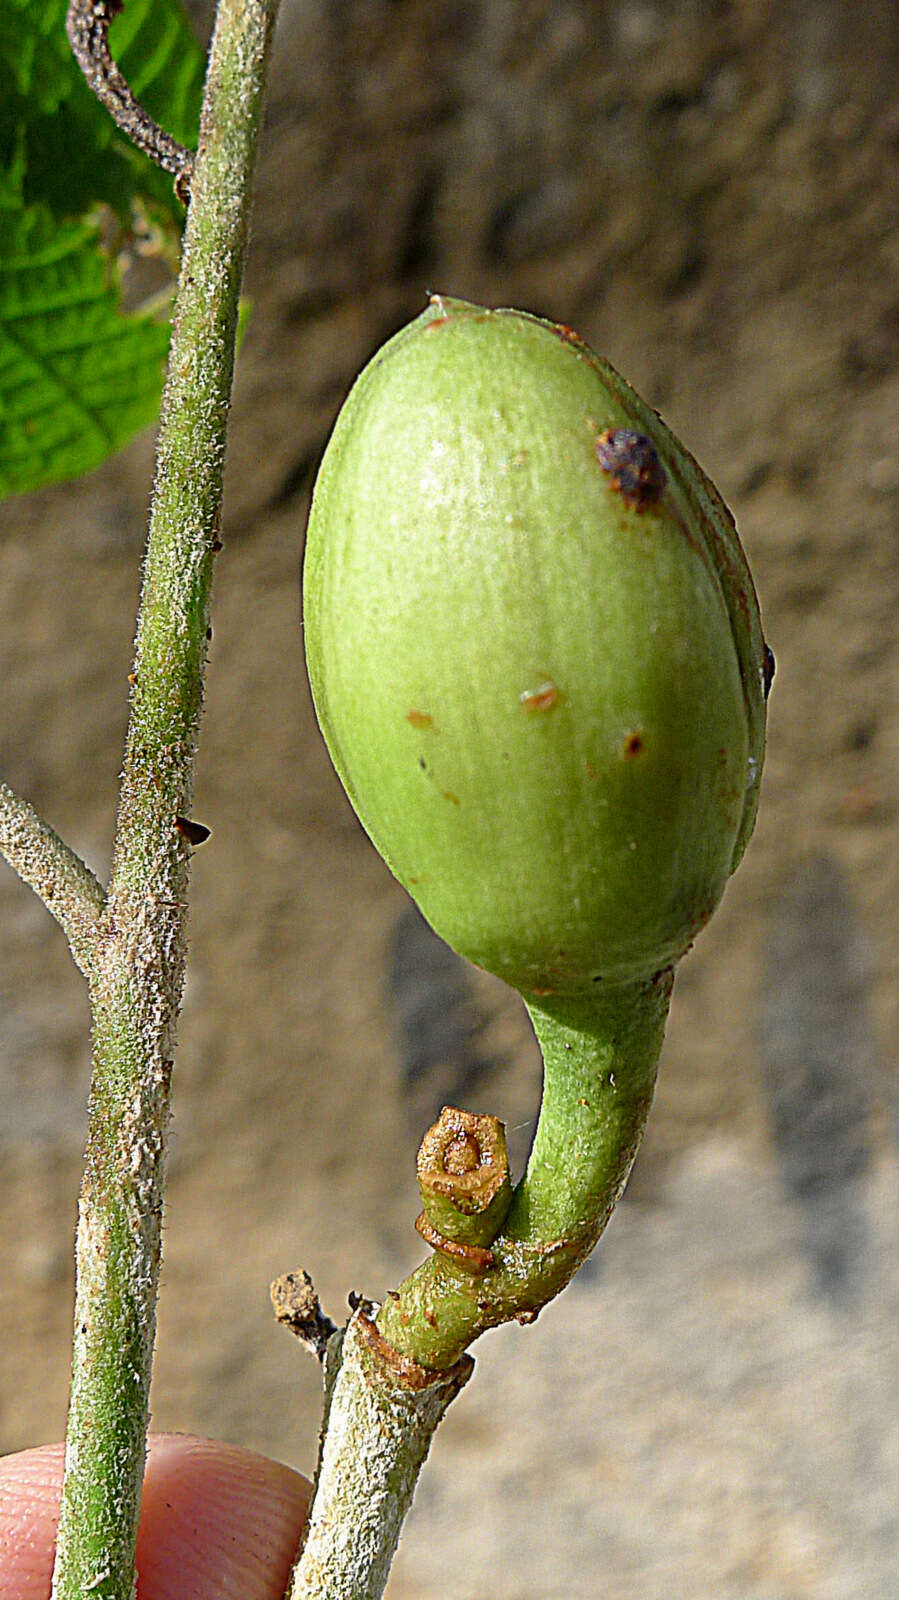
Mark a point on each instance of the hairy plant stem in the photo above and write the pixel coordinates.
(136, 980)
(380, 1417)
(57, 875)
(600, 1055)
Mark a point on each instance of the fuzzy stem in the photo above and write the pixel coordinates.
(380, 1417)
(57, 875)
(136, 988)
(600, 1054)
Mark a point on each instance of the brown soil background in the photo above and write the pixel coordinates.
(707, 192)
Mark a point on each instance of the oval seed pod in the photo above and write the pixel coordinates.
(535, 651)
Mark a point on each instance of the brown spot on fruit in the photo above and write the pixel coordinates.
(419, 719)
(448, 795)
(543, 698)
(631, 462)
(567, 334)
(633, 745)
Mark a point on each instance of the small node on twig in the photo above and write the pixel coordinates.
(361, 1302)
(181, 185)
(194, 832)
(465, 1186)
(87, 26)
(296, 1305)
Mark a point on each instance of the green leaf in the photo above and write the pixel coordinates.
(77, 378)
(77, 375)
(154, 44)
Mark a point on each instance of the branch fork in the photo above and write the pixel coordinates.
(499, 1256)
(130, 942)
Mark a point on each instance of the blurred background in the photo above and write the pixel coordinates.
(707, 192)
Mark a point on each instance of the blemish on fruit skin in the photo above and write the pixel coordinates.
(448, 795)
(567, 334)
(633, 745)
(703, 910)
(543, 698)
(631, 462)
(419, 719)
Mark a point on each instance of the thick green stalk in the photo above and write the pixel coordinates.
(600, 1055)
(137, 981)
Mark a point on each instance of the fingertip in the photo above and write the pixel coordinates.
(29, 1511)
(216, 1522)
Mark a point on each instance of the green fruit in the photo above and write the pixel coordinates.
(535, 650)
